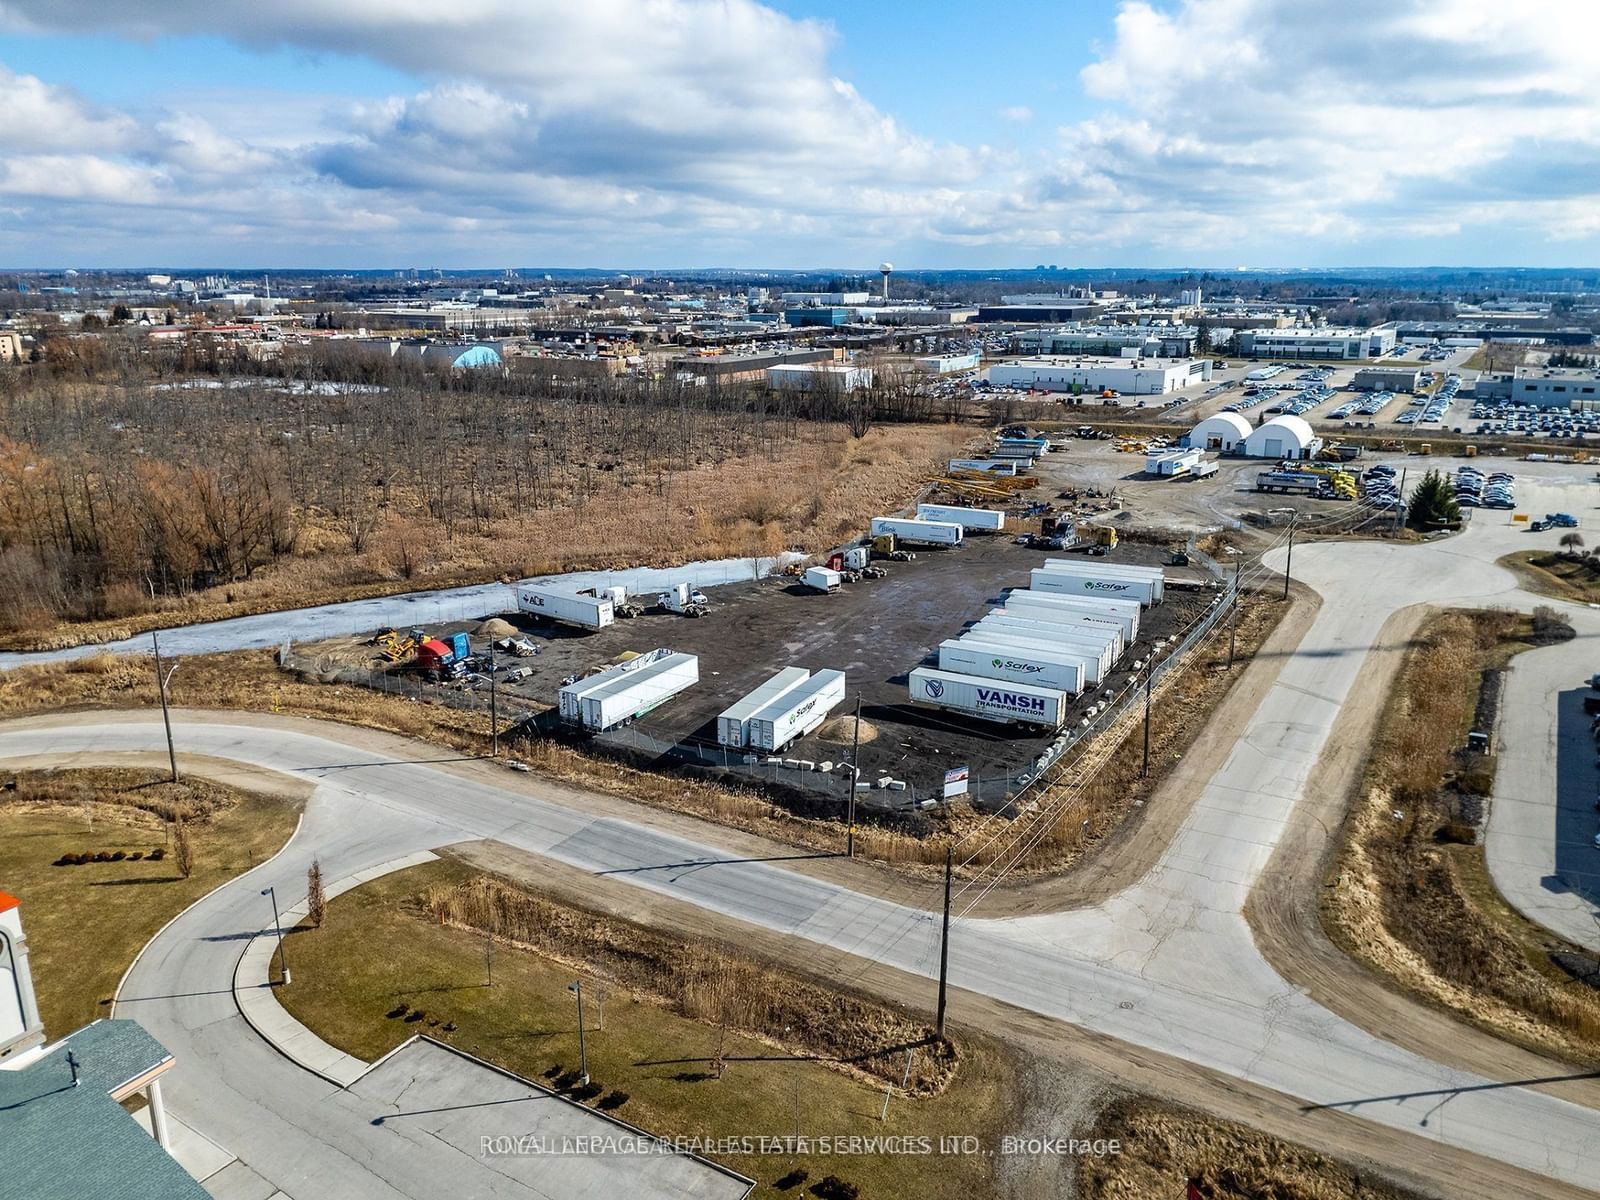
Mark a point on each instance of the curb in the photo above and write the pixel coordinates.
(121, 983)
(258, 1002)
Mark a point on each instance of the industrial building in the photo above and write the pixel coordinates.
(1317, 343)
(1144, 341)
(946, 364)
(1282, 437)
(10, 346)
(740, 368)
(1386, 379)
(1225, 432)
(824, 299)
(1128, 376)
(818, 316)
(806, 377)
(1496, 331)
(1544, 387)
(1065, 310)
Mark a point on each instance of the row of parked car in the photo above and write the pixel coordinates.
(1431, 409)
(1523, 420)
(1364, 406)
(1474, 489)
(1379, 489)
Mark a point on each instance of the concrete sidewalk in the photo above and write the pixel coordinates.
(253, 989)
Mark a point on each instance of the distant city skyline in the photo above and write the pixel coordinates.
(798, 134)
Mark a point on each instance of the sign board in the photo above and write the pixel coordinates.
(1519, 518)
(955, 782)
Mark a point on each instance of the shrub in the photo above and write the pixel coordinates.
(792, 1180)
(157, 854)
(588, 1091)
(135, 855)
(613, 1100)
(831, 1187)
(103, 856)
(118, 855)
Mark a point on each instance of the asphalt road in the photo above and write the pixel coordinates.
(1169, 964)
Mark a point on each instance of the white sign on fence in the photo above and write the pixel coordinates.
(955, 782)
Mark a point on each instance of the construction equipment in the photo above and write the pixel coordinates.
(440, 659)
(393, 647)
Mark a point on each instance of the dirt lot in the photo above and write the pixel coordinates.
(875, 631)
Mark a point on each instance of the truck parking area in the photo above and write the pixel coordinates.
(874, 630)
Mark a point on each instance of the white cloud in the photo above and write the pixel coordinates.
(692, 131)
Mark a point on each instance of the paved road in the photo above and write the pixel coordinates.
(1542, 822)
(1169, 964)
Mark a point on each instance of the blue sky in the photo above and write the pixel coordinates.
(798, 133)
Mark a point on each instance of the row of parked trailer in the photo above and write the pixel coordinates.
(622, 693)
(1057, 638)
(781, 711)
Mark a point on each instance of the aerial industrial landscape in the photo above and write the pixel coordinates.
(923, 726)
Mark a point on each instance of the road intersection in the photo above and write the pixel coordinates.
(1169, 964)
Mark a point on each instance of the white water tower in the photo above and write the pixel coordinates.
(886, 269)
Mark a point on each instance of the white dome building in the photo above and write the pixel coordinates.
(1222, 432)
(1283, 437)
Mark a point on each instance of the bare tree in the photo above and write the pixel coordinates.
(182, 851)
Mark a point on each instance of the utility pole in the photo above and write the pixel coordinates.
(583, 1050)
(166, 718)
(283, 959)
(1402, 507)
(1289, 559)
(1149, 674)
(1233, 624)
(494, 706)
(944, 950)
(855, 778)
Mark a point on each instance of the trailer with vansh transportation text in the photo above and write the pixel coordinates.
(631, 694)
(733, 724)
(984, 520)
(796, 713)
(904, 529)
(989, 699)
(569, 608)
(1071, 583)
(1124, 612)
(1020, 662)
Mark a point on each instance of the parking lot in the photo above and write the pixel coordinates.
(875, 631)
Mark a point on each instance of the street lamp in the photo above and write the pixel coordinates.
(283, 961)
(583, 1051)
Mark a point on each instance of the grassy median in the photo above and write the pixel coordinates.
(1410, 894)
(683, 1037)
(86, 921)
(1574, 577)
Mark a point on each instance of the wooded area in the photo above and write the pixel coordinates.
(126, 484)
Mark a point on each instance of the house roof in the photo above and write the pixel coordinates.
(62, 1140)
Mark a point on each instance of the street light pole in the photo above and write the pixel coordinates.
(583, 1050)
(166, 718)
(283, 959)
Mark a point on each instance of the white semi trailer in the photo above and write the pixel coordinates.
(1020, 662)
(733, 724)
(1097, 653)
(989, 699)
(935, 533)
(796, 713)
(569, 608)
(1124, 612)
(984, 520)
(1087, 583)
(638, 692)
(1155, 575)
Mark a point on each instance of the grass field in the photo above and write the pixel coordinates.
(1557, 575)
(1163, 1146)
(1410, 894)
(86, 923)
(381, 969)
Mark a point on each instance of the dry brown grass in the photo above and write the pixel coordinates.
(1163, 1146)
(1558, 575)
(807, 494)
(702, 981)
(1417, 908)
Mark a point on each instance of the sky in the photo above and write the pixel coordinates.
(654, 134)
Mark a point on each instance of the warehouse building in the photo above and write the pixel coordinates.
(1317, 343)
(948, 364)
(1386, 379)
(740, 368)
(1065, 310)
(1166, 341)
(1282, 437)
(818, 316)
(1224, 432)
(824, 299)
(807, 377)
(1128, 376)
(1544, 387)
